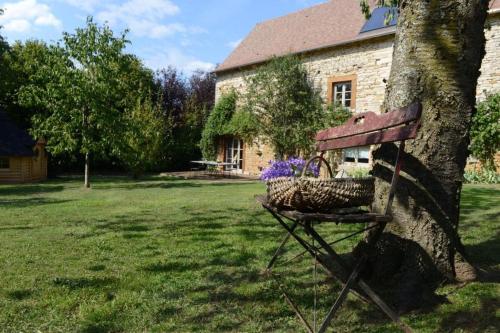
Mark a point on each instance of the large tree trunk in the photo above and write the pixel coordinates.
(437, 55)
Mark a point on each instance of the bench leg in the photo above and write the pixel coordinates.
(363, 285)
(341, 298)
(278, 251)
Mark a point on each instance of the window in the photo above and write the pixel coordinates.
(359, 155)
(342, 91)
(4, 163)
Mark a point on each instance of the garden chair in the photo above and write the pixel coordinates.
(361, 130)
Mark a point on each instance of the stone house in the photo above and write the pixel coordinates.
(348, 59)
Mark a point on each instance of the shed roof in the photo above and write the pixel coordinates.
(14, 141)
(332, 23)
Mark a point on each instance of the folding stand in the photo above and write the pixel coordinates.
(363, 129)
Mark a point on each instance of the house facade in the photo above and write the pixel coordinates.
(348, 59)
(22, 159)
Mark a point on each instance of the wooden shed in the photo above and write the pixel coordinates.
(22, 159)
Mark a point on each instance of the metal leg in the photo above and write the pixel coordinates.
(352, 281)
(341, 298)
(369, 291)
(278, 251)
(308, 247)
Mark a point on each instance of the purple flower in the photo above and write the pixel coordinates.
(291, 168)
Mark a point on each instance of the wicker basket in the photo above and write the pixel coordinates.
(319, 195)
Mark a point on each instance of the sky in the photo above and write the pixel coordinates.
(187, 34)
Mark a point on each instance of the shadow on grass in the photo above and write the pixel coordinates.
(17, 227)
(160, 183)
(30, 202)
(29, 189)
(174, 266)
(80, 283)
(475, 200)
(484, 319)
(19, 295)
(487, 252)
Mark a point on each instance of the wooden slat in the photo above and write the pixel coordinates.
(389, 135)
(369, 122)
(320, 217)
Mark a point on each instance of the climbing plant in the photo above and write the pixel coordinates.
(226, 119)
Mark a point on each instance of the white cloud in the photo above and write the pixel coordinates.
(144, 17)
(176, 58)
(234, 44)
(17, 25)
(22, 15)
(86, 5)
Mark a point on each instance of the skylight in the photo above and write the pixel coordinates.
(377, 20)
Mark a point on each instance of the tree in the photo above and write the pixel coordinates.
(83, 93)
(174, 92)
(485, 131)
(20, 64)
(4, 47)
(438, 49)
(142, 140)
(288, 109)
(186, 103)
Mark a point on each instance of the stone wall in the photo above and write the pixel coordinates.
(370, 62)
(489, 81)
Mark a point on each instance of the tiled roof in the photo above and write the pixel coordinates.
(335, 22)
(13, 140)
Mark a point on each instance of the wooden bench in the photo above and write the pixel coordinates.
(363, 129)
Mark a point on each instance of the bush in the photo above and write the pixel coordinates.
(481, 177)
(336, 115)
(358, 172)
(287, 107)
(485, 131)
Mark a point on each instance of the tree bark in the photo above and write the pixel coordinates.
(87, 171)
(438, 50)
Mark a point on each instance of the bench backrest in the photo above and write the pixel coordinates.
(364, 129)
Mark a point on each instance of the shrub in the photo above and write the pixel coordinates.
(481, 177)
(288, 109)
(485, 131)
(336, 115)
(358, 172)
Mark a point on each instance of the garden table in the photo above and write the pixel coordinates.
(361, 130)
(215, 164)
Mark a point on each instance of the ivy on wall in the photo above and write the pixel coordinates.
(226, 119)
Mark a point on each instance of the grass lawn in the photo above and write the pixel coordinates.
(185, 256)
